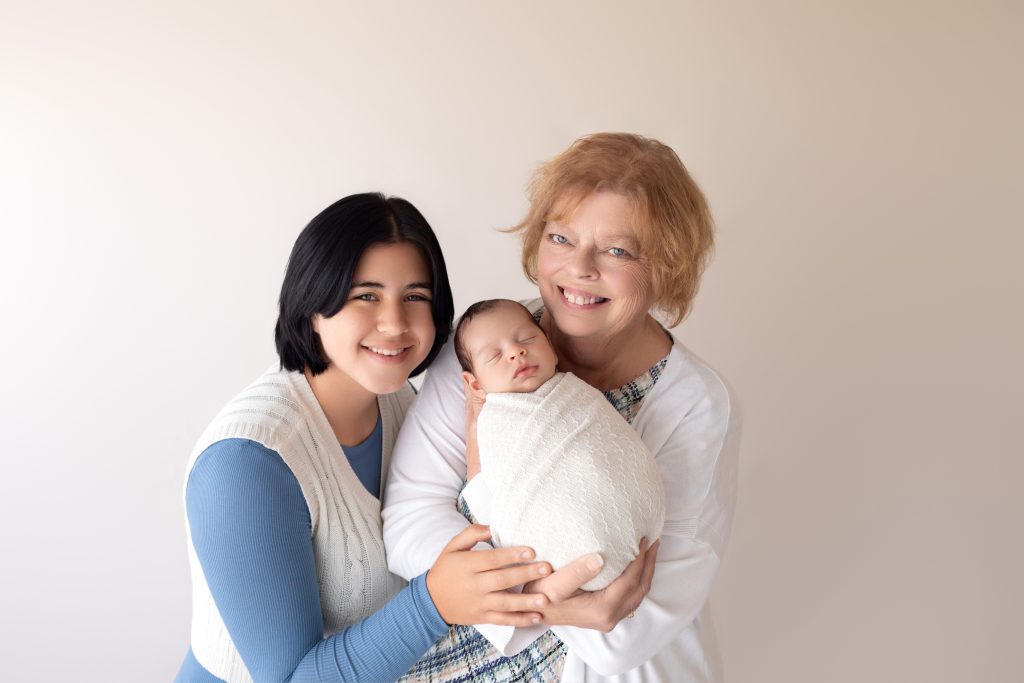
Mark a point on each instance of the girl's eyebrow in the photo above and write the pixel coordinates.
(376, 285)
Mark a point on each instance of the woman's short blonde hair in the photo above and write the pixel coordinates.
(670, 213)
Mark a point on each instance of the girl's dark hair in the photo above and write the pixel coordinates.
(324, 259)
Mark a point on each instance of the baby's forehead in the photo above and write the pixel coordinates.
(498, 320)
(512, 312)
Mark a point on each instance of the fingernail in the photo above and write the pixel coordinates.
(539, 602)
(595, 562)
(526, 554)
(535, 620)
(543, 570)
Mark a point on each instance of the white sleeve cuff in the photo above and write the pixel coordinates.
(478, 497)
(509, 640)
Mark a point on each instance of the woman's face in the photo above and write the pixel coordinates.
(386, 328)
(589, 272)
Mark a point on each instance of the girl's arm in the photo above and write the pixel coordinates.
(251, 532)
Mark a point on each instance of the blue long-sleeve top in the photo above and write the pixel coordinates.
(252, 534)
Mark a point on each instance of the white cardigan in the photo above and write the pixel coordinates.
(690, 426)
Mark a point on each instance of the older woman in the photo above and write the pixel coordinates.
(617, 231)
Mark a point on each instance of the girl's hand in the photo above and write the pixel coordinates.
(474, 403)
(600, 610)
(470, 586)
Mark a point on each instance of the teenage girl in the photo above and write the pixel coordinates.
(282, 498)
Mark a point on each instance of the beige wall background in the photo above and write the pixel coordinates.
(158, 159)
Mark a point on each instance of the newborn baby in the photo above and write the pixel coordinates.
(566, 473)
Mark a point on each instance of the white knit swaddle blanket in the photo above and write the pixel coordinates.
(568, 476)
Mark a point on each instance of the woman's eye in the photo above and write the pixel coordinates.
(417, 297)
(558, 239)
(365, 297)
(618, 251)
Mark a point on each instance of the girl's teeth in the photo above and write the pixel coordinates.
(386, 352)
(582, 300)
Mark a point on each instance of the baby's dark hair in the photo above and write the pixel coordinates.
(475, 310)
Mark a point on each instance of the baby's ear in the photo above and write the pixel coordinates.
(471, 385)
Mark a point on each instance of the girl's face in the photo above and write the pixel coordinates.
(386, 328)
(589, 269)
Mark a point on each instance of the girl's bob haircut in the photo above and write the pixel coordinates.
(324, 259)
(670, 214)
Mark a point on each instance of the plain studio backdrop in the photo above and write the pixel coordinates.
(158, 159)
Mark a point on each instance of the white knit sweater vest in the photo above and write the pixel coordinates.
(280, 412)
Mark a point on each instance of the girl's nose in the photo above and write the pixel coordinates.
(392, 320)
(515, 352)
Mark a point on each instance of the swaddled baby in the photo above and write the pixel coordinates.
(566, 474)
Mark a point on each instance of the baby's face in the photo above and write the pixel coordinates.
(508, 352)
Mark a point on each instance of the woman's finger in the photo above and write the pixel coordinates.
(647, 576)
(565, 582)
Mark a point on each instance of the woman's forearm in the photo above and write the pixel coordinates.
(428, 470)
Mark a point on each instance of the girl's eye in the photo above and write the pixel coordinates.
(528, 340)
(417, 297)
(368, 296)
(558, 239)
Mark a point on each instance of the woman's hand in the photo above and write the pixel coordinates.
(600, 610)
(470, 586)
(474, 403)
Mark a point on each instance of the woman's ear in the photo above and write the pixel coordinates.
(314, 322)
(472, 385)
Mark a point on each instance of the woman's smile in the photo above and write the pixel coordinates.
(580, 299)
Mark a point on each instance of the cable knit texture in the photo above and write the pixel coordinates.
(280, 412)
(569, 476)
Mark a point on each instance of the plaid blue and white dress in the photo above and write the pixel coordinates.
(465, 656)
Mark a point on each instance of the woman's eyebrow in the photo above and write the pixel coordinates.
(621, 238)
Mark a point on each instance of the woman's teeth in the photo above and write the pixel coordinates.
(582, 300)
(386, 352)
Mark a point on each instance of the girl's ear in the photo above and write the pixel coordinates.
(315, 322)
(472, 385)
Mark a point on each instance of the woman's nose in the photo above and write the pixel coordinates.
(582, 264)
(392, 319)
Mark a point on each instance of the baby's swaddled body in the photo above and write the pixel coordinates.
(568, 476)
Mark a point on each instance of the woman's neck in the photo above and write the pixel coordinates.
(350, 409)
(609, 362)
